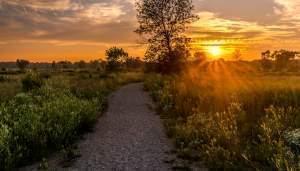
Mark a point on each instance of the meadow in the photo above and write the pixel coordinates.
(47, 111)
(231, 115)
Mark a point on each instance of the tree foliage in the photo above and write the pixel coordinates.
(64, 64)
(280, 57)
(133, 63)
(99, 64)
(266, 61)
(81, 64)
(22, 64)
(163, 23)
(115, 58)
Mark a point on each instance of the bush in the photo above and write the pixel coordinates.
(32, 125)
(52, 115)
(3, 78)
(32, 81)
(45, 75)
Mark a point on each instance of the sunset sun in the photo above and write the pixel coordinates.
(215, 51)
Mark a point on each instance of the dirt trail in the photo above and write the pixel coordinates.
(129, 136)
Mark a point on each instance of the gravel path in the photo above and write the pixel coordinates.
(129, 136)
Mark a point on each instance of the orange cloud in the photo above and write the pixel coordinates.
(73, 29)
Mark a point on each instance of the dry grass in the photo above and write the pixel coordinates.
(230, 115)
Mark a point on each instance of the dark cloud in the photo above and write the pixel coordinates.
(261, 11)
(88, 20)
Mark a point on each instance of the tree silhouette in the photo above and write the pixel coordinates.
(115, 58)
(266, 62)
(53, 65)
(22, 64)
(133, 63)
(282, 58)
(65, 64)
(237, 55)
(163, 22)
(80, 64)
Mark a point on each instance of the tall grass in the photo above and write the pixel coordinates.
(52, 115)
(229, 118)
(9, 87)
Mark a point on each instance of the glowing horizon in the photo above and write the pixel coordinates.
(47, 30)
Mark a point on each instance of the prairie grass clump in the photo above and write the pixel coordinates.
(50, 113)
(32, 81)
(3, 78)
(230, 119)
(34, 124)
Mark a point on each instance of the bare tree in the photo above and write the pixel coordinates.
(163, 23)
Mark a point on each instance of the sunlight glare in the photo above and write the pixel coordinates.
(215, 51)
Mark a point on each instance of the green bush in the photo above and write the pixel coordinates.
(50, 114)
(32, 81)
(33, 124)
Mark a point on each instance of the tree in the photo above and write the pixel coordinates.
(22, 64)
(266, 62)
(163, 22)
(98, 64)
(53, 65)
(134, 63)
(282, 58)
(65, 64)
(80, 64)
(237, 55)
(115, 58)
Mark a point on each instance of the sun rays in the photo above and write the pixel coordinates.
(215, 51)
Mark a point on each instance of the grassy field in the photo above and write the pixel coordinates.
(42, 112)
(228, 115)
(231, 116)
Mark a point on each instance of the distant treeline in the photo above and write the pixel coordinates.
(13, 65)
(117, 59)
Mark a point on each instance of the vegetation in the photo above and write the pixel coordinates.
(281, 59)
(47, 112)
(231, 116)
(116, 57)
(164, 23)
(22, 64)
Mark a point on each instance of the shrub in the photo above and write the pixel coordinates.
(33, 124)
(45, 75)
(32, 81)
(52, 115)
(3, 78)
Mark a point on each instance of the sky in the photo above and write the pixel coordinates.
(47, 30)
